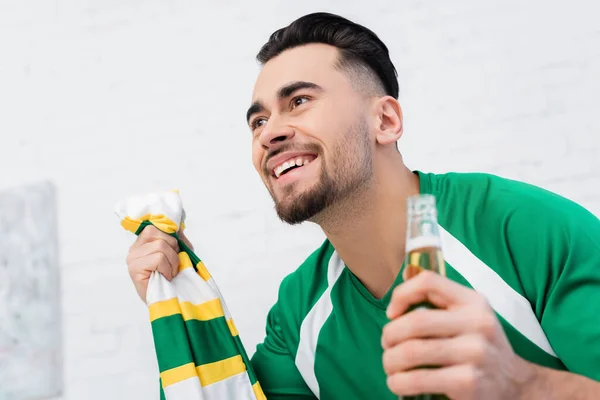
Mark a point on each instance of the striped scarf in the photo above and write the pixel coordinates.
(198, 348)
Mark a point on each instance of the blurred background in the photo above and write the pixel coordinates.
(100, 100)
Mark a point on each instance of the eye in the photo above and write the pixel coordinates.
(298, 101)
(258, 122)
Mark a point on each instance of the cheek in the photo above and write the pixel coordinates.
(327, 127)
(257, 155)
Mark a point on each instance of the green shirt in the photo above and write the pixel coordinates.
(533, 254)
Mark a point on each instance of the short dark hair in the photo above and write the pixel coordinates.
(359, 47)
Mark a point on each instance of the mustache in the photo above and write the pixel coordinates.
(309, 148)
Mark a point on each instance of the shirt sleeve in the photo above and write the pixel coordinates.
(559, 264)
(274, 364)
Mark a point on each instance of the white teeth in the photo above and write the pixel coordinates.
(299, 161)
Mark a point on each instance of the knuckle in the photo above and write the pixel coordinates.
(417, 350)
(479, 349)
(392, 333)
(386, 333)
(395, 383)
(410, 351)
(395, 293)
(429, 347)
(142, 235)
(162, 258)
(418, 320)
(133, 263)
(468, 380)
(428, 278)
(147, 232)
(418, 382)
(132, 267)
(387, 362)
(168, 238)
(140, 240)
(392, 383)
(171, 242)
(158, 260)
(163, 246)
(481, 301)
(486, 324)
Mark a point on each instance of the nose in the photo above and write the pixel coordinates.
(275, 133)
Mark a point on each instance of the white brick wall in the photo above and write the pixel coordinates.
(93, 93)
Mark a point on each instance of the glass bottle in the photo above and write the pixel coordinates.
(423, 252)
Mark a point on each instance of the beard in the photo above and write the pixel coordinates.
(351, 169)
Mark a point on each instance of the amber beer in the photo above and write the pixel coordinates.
(423, 252)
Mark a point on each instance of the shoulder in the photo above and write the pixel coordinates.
(530, 237)
(525, 233)
(489, 196)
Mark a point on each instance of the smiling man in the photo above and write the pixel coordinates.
(325, 121)
(518, 313)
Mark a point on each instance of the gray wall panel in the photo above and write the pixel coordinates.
(30, 322)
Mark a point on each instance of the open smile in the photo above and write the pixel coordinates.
(293, 163)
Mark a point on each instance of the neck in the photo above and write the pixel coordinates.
(369, 229)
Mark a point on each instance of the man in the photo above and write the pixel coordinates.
(518, 313)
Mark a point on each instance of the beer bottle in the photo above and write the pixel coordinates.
(423, 252)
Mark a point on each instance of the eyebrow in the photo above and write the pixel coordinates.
(255, 108)
(284, 92)
(288, 90)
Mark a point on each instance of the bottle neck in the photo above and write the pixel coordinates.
(422, 223)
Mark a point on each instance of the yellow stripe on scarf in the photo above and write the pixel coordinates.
(208, 373)
(164, 308)
(203, 312)
(161, 221)
(184, 261)
(258, 392)
(202, 271)
(178, 374)
(217, 371)
(232, 328)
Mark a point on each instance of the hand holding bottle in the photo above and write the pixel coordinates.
(443, 339)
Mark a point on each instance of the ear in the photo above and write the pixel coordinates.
(389, 120)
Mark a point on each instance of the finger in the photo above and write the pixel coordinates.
(457, 381)
(175, 265)
(151, 233)
(141, 268)
(156, 246)
(148, 258)
(425, 323)
(162, 264)
(428, 323)
(173, 259)
(428, 287)
(418, 353)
